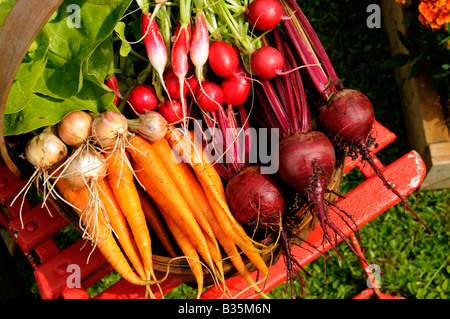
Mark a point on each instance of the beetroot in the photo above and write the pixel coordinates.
(347, 118)
(263, 204)
(305, 159)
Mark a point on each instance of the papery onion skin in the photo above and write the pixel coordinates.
(75, 128)
(152, 126)
(45, 150)
(108, 127)
(86, 168)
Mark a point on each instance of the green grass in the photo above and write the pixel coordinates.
(415, 264)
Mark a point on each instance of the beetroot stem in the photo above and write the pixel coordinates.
(315, 42)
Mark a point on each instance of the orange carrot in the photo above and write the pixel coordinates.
(212, 186)
(120, 225)
(185, 181)
(151, 215)
(121, 179)
(107, 246)
(188, 250)
(165, 194)
(227, 244)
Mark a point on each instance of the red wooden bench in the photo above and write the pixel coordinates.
(364, 203)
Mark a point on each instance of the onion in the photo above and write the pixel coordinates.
(152, 126)
(75, 128)
(45, 150)
(109, 128)
(85, 169)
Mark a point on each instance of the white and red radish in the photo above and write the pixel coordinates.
(154, 45)
(114, 85)
(180, 62)
(199, 46)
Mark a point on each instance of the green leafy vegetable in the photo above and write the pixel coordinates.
(66, 67)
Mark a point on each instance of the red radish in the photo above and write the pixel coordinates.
(113, 85)
(193, 86)
(236, 87)
(154, 45)
(180, 63)
(223, 58)
(142, 99)
(199, 47)
(172, 111)
(173, 85)
(209, 96)
(264, 15)
(267, 62)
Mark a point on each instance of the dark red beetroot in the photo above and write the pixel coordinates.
(306, 163)
(347, 118)
(305, 159)
(262, 205)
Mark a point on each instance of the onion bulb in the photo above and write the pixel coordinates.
(151, 125)
(75, 128)
(109, 129)
(45, 150)
(85, 169)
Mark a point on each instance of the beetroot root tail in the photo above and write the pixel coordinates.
(366, 157)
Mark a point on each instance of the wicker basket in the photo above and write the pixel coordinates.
(33, 15)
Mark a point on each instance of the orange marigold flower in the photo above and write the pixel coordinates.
(400, 1)
(434, 13)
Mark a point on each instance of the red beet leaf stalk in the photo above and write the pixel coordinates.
(346, 116)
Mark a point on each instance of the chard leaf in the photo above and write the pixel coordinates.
(43, 110)
(79, 27)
